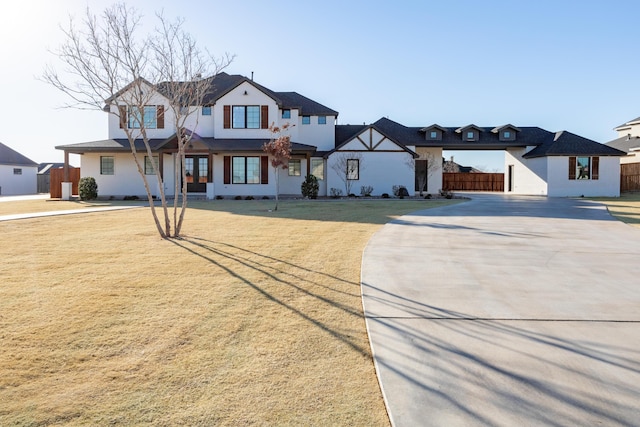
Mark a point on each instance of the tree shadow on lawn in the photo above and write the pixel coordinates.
(361, 210)
(291, 277)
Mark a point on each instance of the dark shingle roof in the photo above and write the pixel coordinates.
(307, 107)
(568, 144)
(9, 156)
(223, 83)
(627, 124)
(452, 140)
(213, 144)
(45, 168)
(625, 143)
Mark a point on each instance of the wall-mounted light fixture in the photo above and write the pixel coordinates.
(245, 92)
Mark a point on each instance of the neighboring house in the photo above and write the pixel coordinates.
(453, 167)
(224, 157)
(628, 140)
(17, 173)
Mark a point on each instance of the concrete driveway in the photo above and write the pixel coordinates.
(506, 310)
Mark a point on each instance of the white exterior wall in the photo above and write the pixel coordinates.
(237, 97)
(633, 157)
(26, 183)
(434, 181)
(292, 185)
(607, 184)
(380, 170)
(529, 175)
(320, 136)
(126, 181)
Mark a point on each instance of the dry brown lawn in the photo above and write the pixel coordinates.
(626, 208)
(254, 318)
(44, 205)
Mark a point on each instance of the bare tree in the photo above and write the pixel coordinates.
(109, 66)
(348, 166)
(424, 172)
(279, 149)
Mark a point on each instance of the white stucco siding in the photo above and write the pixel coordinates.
(320, 136)
(434, 181)
(292, 185)
(381, 170)
(607, 184)
(17, 184)
(126, 181)
(529, 175)
(237, 97)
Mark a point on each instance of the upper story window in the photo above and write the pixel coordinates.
(471, 135)
(322, 120)
(206, 110)
(506, 134)
(147, 117)
(286, 114)
(433, 134)
(306, 120)
(246, 117)
(17, 171)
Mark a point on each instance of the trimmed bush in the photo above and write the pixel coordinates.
(310, 187)
(88, 188)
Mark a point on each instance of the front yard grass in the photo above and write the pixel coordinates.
(254, 318)
(626, 207)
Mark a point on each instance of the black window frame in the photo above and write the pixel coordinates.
(245, 116)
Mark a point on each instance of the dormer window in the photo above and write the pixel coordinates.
(433, 134)
(506, 134)
(471, 135)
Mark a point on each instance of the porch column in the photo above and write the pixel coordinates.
(67, 186)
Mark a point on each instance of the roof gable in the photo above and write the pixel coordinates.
(9, 156)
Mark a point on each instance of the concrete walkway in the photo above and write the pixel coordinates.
(506, 310)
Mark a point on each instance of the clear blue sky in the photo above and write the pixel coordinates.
(561, 65)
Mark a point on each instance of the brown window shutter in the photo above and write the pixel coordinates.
(227, 116)
(595, 167)
(264, 169)
(227, 169)
(160, 117)
(572, 168)
(122, 111)
(264, 116)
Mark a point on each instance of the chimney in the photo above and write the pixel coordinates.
(252, 76)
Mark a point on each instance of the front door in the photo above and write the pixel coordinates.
(197, 169)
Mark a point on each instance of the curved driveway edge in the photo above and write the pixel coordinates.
(506, 310)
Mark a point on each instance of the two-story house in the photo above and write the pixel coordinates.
(225, 156)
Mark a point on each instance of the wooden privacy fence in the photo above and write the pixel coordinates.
(57, 176)
(473, 181)
(629, 177)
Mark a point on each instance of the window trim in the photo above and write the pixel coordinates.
(148, 166)
(297, 171)
(593, 168)
(322, 120)
(286, 113)
(306, 120)
(107, 171)
(245, 117)
(17, 171)
(245, 166)
(206, 110)
(149, 117)
(471, 135)
(353, 173)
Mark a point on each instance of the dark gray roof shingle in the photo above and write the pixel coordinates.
(9, 156)
(624, 143)
(569, 144)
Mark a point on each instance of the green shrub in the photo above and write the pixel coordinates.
(88, 188)
(310, 187)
